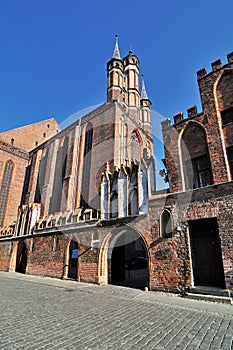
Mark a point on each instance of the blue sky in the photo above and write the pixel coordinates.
(53, 53)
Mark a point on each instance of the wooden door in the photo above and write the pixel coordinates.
(206, 253)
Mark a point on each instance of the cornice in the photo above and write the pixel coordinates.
(13, 150)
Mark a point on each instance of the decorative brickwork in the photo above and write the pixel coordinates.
(97, 216)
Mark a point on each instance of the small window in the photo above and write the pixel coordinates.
(198, 172)
(44, 134)
(227, 116)
(230, 159)
(56, 244)
(166, 224)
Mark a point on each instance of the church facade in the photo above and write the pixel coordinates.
(90, 211)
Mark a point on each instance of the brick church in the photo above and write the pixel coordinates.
(81, 203)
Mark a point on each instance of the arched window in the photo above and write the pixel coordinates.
(87, 167)
(59, 177)
(114, 196)
(41, 177)
(224, 94)
(123, 193)
(166, 224)
(5, 189)
(143, 190)
(133, 191)
(195, 156)
(136, 142)
(104, 197)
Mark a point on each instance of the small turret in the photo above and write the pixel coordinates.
(131, 69)
(145, 108)
(115, 76)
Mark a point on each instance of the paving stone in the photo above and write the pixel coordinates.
(37, 313)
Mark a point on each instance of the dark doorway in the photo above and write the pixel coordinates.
(73, 260)
(21, 259)
(206, 253)
(129, 263)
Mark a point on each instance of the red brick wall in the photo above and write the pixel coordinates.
(169, 258)
(16, 186)
(5, 254)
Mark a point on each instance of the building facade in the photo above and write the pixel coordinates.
(90, 211)
(14, 154)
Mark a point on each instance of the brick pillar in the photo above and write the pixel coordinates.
(74, 170)
(51, 172)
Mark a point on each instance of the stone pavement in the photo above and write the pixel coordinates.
(45, 313)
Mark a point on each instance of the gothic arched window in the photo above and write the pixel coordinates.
(196, 161)
(166, 224)
(87, 166)
(5, 189)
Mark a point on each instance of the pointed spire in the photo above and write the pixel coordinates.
(143, 91)
(116, 53)
(130, 49)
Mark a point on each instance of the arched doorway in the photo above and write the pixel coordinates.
(129, 260)
(21, 258)
(73, 260)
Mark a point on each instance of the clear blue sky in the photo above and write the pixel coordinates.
(53, 53)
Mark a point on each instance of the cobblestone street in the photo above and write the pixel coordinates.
(44, 313)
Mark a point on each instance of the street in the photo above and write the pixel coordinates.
(45, 313)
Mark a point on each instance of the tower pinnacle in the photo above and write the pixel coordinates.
(116, 53)
(143, 91)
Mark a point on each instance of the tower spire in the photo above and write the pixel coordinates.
(116, 52)
(144, 95)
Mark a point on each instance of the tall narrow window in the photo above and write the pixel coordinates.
(87, 167)
(133, 191)
(166, 224)
(5, 189)
(60, 173)
(41, 177)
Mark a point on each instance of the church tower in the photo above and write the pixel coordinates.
(124, 87)
(115, 71)
(132, 93)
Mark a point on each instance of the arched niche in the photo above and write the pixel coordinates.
(195, 157)
(166, 224)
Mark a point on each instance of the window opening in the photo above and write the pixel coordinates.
(227, 116)
(166, 225)
(5, 189)
(198, 172)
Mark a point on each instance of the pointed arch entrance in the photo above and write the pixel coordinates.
(124, 258)
(21, 258)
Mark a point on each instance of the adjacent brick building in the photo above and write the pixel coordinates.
(14, 154)
(90, 211)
